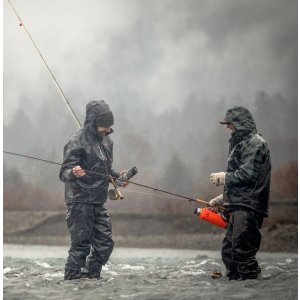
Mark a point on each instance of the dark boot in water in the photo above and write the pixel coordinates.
(93, 268)
(84, 273)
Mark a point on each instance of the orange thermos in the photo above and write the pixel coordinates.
(211, 217)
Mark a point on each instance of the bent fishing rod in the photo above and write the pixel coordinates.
(76, 119)
(64, 98)
(115, 178)
(116, 192)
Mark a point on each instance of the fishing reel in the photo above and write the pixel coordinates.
(115, 194)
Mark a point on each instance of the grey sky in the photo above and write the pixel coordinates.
(163, 66)
(153, 54)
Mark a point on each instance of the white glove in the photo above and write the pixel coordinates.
(218, 201)
(218, 178)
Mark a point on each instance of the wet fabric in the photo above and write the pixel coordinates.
(246, 195)
(240, 245)
(87, 218)
(247, 182)
(105, 120)
(87, 150)
(91, 240)
(241, 118)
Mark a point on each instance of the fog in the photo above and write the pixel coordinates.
(168, 69)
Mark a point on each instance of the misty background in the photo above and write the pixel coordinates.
(169, 71)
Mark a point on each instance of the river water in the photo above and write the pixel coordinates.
(36, 272)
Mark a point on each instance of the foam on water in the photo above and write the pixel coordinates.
(158, 277)
(53, 275)
(7, 270)
(209, 261)
(129, 267)
(43, 264)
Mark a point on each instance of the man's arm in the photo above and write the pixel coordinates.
(70, 169)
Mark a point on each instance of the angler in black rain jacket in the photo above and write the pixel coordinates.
(86, 193)
(246, 194)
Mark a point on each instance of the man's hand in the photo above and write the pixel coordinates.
(215, 202)
(78, 172)
(123, 183)
(218, 178)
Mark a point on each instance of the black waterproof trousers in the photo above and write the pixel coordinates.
(240, 245)
(91, 240)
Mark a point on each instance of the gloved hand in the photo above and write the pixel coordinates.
(218, 201)
(218, 178)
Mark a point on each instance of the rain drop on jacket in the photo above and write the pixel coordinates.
(247, 182)
(86, 150)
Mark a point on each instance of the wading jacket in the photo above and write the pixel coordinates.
(87, 150)
(247, 182)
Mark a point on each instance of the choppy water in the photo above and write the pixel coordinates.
(148, 274)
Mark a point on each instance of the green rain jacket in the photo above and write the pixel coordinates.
(247, 181)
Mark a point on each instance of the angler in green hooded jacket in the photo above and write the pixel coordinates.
(246, 193)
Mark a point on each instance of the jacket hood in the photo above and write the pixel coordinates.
(241, 118)
(94, 109)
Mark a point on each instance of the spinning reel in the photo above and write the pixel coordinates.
(115, 194)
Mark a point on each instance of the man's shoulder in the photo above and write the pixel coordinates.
(259, 140)
(254, 138)
(255, 141)
(76, 137)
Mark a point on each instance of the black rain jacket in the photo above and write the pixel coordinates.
(87, 150)
(247, 182)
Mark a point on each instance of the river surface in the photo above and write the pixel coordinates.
(36, 272)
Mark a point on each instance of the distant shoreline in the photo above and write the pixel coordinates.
(279, 233)
(42, 251)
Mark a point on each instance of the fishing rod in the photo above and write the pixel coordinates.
(117, 193)
(115, 178)
(75, 118)
(114, 194)
(219, 219)
(64, 98)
